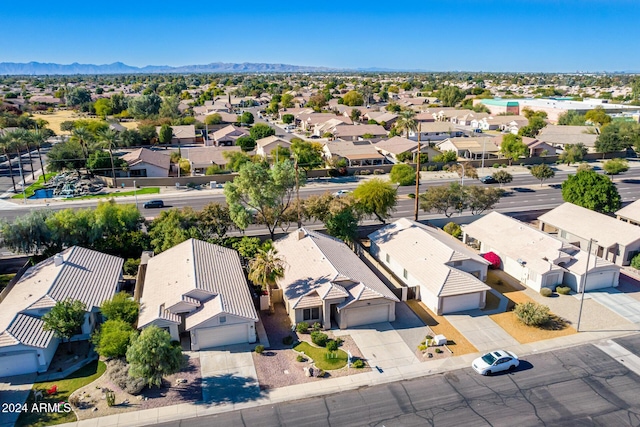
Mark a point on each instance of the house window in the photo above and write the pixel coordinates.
(311, 313)
(223, 319)
(388, 258)
(405, 273)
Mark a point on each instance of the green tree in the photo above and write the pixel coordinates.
(615, 166)
(571, 118)
(343, 224)
(118, 103)
(169, 107)
(402, 174)
(376, 197)
(165, 135)
(27, 234)
(446, 157)
(173, 227)
(573, 153)
(246, 143)
(235, 159)
(65, 155)
(103, 107)
(480, 199)
(152, 356)
(65, 319)
(99, 162)
(77, 96)
(512, 147)
(266, 191)
(353, 99)
(145, 106)
(502, 177)
(288, 118)
(406, 122)
(214, 221)
(453, 229)
(355, 114)
(592, 191)
(248, 247)
(597, 116)
(280, 154)
(265, 269)
(246, 118)
(121, 307)
(261, 130)
(542, 172)
(450, 96)
(213, 119)
(286, 100)
(109, 139)
(308, 154)
(635, 262)
(113, 337)
(444, 199)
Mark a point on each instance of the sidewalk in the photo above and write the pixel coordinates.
(337, 385)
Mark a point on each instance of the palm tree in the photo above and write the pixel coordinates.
(84, 136)
(407, 122)
(5, 143)
(265, 269)
(109, 140)
(16, 144)
(23, 137)
(37, 138)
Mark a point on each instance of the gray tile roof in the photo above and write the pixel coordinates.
(28, 330)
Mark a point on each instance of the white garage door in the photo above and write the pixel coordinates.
(222, 335)
(460, 303)
(599, 280)
(367, 315)
(23, 363)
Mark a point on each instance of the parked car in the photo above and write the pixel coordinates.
(341, 193)
(488, 180)
(153, 204)
(495, 361)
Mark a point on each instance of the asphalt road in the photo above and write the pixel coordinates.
(580, 386)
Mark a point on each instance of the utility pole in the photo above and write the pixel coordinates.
(583, 283)
(417, 199)
(295, 158)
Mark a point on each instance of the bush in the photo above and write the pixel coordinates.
(131, 266)
(358, 364)
(532, 314)
(74, 400)
(317, 326)
(301, 358)
(378, 171)
(110, 396)
(635, 262)
(365, 172)
(563, 290)
(422, 347)
(432, 168)
(546, 292)
(496, 165)
(333, 173)
(332, 345)
(259, 349)
(319, 338)
(411, 195)
(453, 229)
(302, 327)
(339, 341)
(119, 374)
(438, 350)
(288, 340)
(402, 174)
(319, 373)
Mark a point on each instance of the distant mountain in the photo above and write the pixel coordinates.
(39, 68)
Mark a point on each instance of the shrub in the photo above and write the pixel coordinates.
(365, 172)
(319, 338)
(191, 185)
(259, 349)
(635, 262)
(358, 364)
(411, 195)
(131, 266)
(438, 350)
(288, 340)
(74, 400)
(563, 290)
(332, 345)
(319, 373)
(317, 326)
(339, 341)
(378, 171)
(432, 168)
(453, 229)
(546, 292)
(532, 314)
(110, 396)
(422, 347)
(333, 173)
(496, 165)
(301, 358)
(119, 374)
(302, 327)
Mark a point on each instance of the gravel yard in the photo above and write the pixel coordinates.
(277, 366)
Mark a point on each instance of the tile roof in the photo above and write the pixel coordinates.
(28, 331)
(144, 155)
(321, 267)
(194, 266)
(426, 253)
(556, 134)
(202, 157)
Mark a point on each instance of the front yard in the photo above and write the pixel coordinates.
(323, 358)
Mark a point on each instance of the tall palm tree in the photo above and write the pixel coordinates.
(109, 139)
(16, 144)
(37, 139)
(407, 122)
(5, 144)
(84, 137)
(265, 269)
(23, 138)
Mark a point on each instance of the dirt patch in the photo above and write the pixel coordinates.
(93, 401)
(456, 342)
(277, 366)
(507, 286)
(524, 334)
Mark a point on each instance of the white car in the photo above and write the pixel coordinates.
(495, 361)
(341, 193)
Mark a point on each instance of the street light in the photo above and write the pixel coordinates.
(135, 193)
(462, 179)
(583, 282)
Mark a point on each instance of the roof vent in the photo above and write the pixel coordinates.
(301, 233)
(58, 260)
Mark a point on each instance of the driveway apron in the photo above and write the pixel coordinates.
(228, 375)
(481, 331)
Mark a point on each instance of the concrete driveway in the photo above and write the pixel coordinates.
(13, 390)
(228, 375)
(481, 331)
(381, 345)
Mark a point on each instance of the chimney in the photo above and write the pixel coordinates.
(301, 233)
(58, 260)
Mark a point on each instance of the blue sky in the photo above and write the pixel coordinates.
(489, 35)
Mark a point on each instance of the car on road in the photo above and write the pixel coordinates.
(495, 361)
(488, 180)
(341, 193)
(153, 204)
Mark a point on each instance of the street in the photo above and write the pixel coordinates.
(575, 386)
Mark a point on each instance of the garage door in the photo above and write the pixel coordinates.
(460, 303)
(599, 280)
(367, 315)
(222, 335)
(18, 364)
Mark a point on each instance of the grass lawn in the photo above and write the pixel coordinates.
(146, 190)
(319, 356)
(30, 190)
(5, 279)
(76, 380)
(525, 334)
(456, 342)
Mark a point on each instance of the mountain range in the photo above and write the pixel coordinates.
(40, 68)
